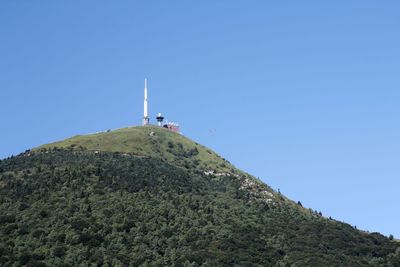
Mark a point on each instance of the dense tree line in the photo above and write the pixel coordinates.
(65, 208)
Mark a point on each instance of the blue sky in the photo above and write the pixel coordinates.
(303, 94)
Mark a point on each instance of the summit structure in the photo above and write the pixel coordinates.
(146, 119)
(172, 126)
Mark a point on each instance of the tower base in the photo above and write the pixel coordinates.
(146, 121)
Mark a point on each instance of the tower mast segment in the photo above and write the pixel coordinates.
(146, 118)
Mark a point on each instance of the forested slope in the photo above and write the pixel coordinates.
(64, 208)
(144, 196)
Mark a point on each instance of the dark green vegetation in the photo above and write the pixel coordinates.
(74, 205)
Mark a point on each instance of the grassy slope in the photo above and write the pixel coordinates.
(163, 144)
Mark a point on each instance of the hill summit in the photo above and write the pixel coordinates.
(145, 196)
(148, 141)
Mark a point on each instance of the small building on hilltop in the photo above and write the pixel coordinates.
(172, 126)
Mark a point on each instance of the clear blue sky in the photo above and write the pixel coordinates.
(303, 94)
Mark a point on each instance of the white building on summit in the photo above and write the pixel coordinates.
(172, 126)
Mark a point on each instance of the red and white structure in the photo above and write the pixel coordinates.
(172, 126)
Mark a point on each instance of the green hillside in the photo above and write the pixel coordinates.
(149, 141)
(144, 196)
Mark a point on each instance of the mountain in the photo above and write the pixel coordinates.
(145, 196)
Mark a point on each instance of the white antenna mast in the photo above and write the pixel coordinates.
(146, 118)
